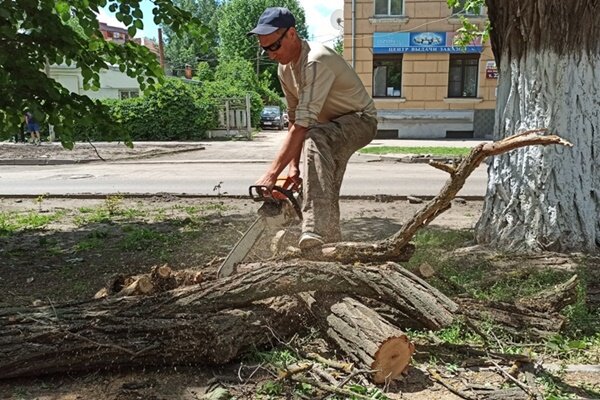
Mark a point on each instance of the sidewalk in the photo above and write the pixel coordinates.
(261, 149)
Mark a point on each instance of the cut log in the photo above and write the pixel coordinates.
(367, 339)
(141, 285)
(163, 278)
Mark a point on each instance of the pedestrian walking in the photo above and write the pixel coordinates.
(33, 128)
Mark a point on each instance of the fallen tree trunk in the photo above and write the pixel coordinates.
(35, 342)
(533, 317)
(196, 324)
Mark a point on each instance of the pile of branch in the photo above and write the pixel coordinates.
(159, 279)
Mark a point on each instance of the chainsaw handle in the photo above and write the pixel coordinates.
(276, 194)
(257, 193)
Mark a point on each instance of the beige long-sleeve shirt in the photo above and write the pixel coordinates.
(321, 86)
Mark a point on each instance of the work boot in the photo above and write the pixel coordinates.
(308, 240)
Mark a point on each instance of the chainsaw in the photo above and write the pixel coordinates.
(280, 208)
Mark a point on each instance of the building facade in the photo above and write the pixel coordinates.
(114, 84)
(424, 85)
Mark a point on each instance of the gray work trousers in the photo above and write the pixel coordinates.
(327, 149)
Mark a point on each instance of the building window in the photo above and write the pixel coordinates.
(462, 77)
(387, 75)
(462, 10)
(388, 7)
(128, 94)
(116, 35)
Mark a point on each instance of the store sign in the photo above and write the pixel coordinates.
(491, 72)
(421, 42)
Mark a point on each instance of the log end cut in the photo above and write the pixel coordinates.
(392, 359)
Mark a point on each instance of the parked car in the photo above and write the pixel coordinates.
(271, 117)
(286, 119)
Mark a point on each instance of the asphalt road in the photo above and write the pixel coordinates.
(216, 177)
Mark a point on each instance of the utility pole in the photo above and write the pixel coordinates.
(258, 60)
(161, 50)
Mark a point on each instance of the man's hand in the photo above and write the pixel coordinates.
(294, 175)
(267, 180)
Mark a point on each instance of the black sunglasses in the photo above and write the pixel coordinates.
(277, 44)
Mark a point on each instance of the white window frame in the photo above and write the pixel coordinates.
(389, 7)
(128, 93)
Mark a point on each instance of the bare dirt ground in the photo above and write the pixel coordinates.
(73, 256)
(90, 152)
(87, 241)
(54, 250)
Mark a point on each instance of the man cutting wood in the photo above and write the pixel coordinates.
(330, 114)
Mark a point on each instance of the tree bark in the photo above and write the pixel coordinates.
(363, 335)
(162, 328)
(94, 335)
(518, 322)
(548, 53)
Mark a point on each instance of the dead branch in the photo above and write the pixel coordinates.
(517, 382)
(330, 389)
(342, 366)
(397, 247)
(436, 377)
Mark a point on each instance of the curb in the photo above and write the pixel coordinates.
(147, 160)
(63, 161)
(378, 198)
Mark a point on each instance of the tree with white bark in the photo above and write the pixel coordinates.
(548, 57)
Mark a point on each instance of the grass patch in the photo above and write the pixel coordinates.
(422, 151)
(12, 222)
(137, 239)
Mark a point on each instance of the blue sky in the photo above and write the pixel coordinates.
(317, 18)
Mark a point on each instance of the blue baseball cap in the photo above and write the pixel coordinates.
(272, 19)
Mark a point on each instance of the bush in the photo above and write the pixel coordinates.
(174, 111)
(179, 110)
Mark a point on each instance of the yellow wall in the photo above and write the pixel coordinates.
(424, 75)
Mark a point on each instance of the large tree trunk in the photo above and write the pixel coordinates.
(213, 323)
(546, 198)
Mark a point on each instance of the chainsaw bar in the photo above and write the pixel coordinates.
(280, 207)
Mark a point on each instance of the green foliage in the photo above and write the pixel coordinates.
(372, 392)
(338, 46)
(235, 78)
(34, 35)
(238, 17)
(113, 204)
(271, 388)
(469, 30)
(204, 72)
(140, 239)
(186, 48)
(174, 111)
